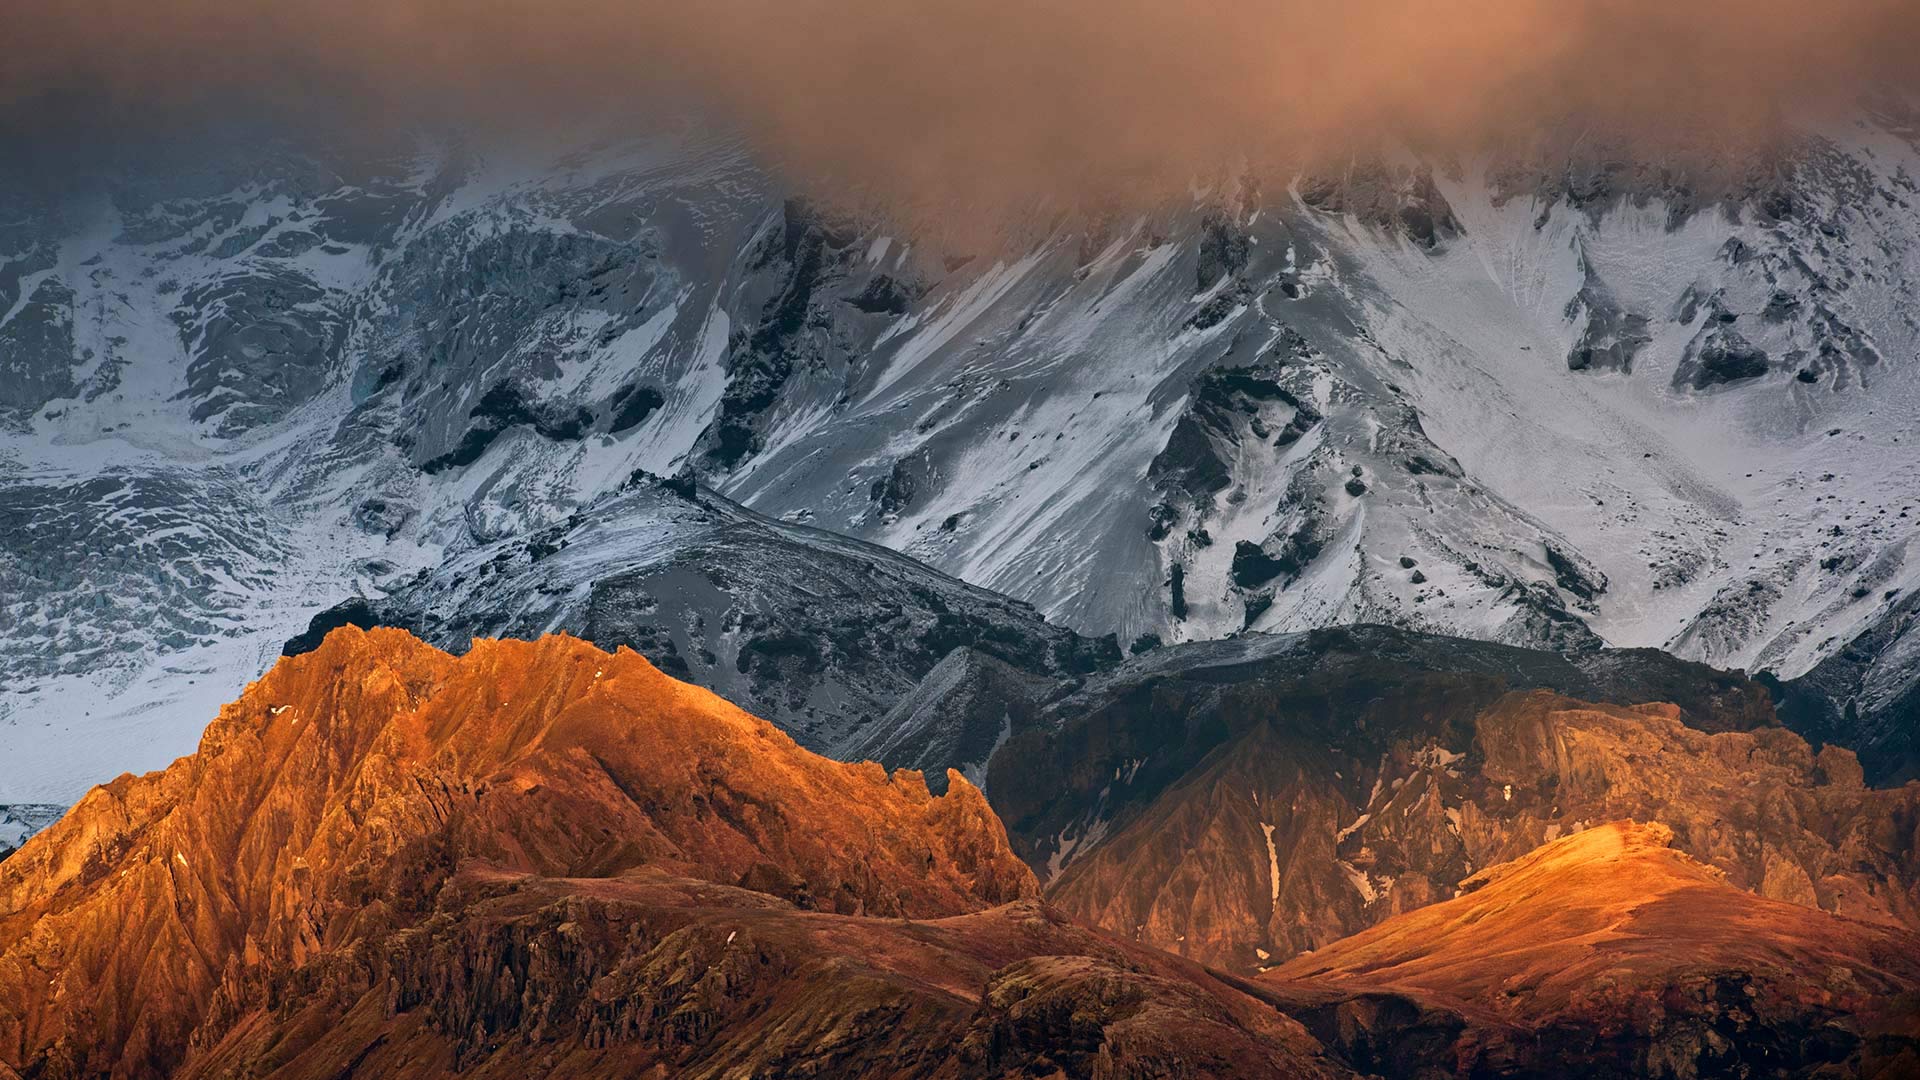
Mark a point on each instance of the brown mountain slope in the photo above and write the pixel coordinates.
(1607, 953)
(1295, 832)
(649, 977)
(541, 859)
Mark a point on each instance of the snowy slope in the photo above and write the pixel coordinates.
(817, 632)
(1536, 405)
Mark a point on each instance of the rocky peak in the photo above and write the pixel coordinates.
(1617, 956)
(346, 791)
(1243, 810)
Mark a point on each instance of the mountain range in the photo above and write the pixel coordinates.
(605, 610)
(1558, 397)
(544, 859)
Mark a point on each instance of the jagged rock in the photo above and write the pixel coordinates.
(1403, 200)
(1253, 567)
(1268, 796)
(958, 715)
(1223, 251)
(1040, 381)
(761, 360)
(338, 800)
(540, 857)
(1866, 695)
(1724, 356)
(1610, 336)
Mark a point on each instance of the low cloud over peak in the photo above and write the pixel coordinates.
(981, 106)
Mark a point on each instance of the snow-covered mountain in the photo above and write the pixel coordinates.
(1552, 400)
(817, 632)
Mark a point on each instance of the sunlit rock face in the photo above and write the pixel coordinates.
(363, 794)
(542, 857)
(1610, 953)
(1248, 801)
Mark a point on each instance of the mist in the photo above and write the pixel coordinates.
(989, 109)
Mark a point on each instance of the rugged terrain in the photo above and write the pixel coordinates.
(21, 821)
(1241, 802)
(1618, 957)
(1557, 397)
(544, 859)
(821, 634)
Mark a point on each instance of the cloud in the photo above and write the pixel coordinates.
(990, 106)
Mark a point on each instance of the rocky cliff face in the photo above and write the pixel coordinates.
(1610, 954)
(544, 859)
(642, 977)
(333, 803)
(1270, 803)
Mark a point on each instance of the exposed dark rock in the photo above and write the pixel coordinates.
(359, 611)
(1722, 356)
(895, 491)
(1189, 460)
(1223, 251)
(1161, 518)
(381, 516)
(1256, 606)
(1222, 409)
(261, 345)
(818, 633)
(1216, 311)
(1253, 567)
(883, 295)
(683, 484)
(1865, 696)
(1402, 201)
(1611, 335)
(1215, 738)
(956, 716)
(759, 361)
(631, 407)
(1574, 576)
(502, 408)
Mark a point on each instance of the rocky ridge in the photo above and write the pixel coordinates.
(821, 634)
(1248, 801)
(1619, 956)
(545, 859)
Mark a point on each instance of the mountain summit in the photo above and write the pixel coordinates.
(1608, 953)
(543, 859)
(341, 800)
